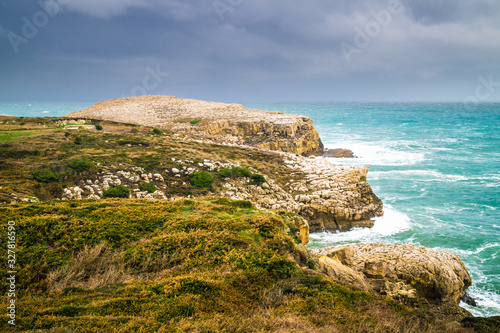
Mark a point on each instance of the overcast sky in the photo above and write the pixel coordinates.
(250, 50)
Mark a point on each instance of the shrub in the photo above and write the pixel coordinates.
(241, 204)
(66, 134)
(201, 179)
(80, 165)
(117, 192)
(78, 140)
(150, 187)
(234, 172)
(258, 180)
(195, 121)
(156, 131)
(45, 176)
(225, 173)
(98, 127)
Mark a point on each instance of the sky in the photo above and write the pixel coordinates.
(251, 50)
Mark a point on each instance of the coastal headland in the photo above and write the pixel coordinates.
(163, 214)
(220, 122)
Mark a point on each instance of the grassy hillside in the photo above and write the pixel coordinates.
(204, 265)
(28, 145)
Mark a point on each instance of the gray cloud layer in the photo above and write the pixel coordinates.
(242, 49)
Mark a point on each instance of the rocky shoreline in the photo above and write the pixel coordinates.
(327, 197)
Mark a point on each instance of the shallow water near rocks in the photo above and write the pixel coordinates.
(436, 166)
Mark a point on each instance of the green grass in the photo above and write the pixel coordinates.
(202, 265)
(8, 136)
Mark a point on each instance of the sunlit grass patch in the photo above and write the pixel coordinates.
(7, 136)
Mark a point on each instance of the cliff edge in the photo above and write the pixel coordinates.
(263, 129)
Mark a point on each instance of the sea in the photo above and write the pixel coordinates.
(436, 167)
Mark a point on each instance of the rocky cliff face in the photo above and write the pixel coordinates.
(408, 273)
(333, 198)
(219, 121)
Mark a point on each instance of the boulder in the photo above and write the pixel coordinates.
(338, 153)
(408, 273)
(342, 274)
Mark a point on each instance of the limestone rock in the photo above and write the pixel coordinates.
(408, 272)
(342, 274)
(338, 153)
(218, 121)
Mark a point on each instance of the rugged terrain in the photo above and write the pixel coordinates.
(207, 236)
(329, 197)
(202, 265)
(218, 121)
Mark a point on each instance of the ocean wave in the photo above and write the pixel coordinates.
(371, 154)
(488, 302)
(469, 252)
(393, 222)
(429, 175)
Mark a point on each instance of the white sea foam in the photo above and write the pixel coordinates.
(417, 174)
(469, 252)
(371, 154)
(488, 302)
(393, 222)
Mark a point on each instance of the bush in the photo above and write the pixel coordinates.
(234, 172)
(195, 121)
(201, 179)
(117, 192)
(78, 140)
(45, 176)
(80, 165)
(98, 127)
(241, 204)
(150, 187)
(225, 173)
(156, 131)
(66, 134)
(258, 180)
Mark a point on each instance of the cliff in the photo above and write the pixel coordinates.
(219, 121)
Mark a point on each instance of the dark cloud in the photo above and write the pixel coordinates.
(241, 49)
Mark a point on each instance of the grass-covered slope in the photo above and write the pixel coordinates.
(34, 145)
(204, 265)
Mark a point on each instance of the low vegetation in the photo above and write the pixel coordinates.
(148, 187)
(45, 176)
(202, 179)
(204, 265)
(117, 192)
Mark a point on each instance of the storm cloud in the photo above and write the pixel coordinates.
(240, 50)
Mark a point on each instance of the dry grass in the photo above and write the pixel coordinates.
(92, 268)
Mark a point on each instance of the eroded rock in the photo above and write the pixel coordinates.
(223, 123)
(408, 273)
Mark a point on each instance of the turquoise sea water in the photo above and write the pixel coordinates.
(436, 166)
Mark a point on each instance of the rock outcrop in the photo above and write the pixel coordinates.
(338, 153)
(263, 129)
(408, 273)
(333, 198)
